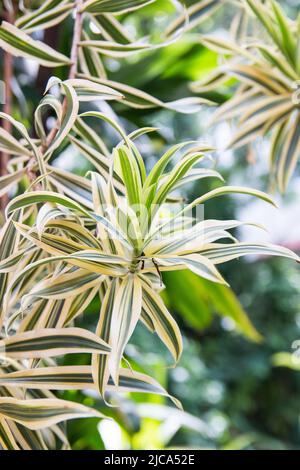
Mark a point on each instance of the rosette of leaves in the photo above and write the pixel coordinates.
(267, 67)
(115, 241)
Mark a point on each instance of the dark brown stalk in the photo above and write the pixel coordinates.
(9, 16)
(51, 39)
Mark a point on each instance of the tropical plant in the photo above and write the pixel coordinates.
(16, 40)
(67, 239)
(268, 69)
(113, 241)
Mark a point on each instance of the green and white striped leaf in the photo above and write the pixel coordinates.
(197, 263)
(125, 159)
(42, 413)
(163, 322)
(7, 439)
(113, 6)
(141, 100)
(126, 313)
(70, 115)
(62, 286)
(23, 131)
(52, 342)
(194, 15)
(88, 90)
(20, 44)
(100, 363)
(80, 377)
(9, 144)
(111, 29)
(289, 154)
(52, 12)
(10, 180)
(36, 197)
(221, 253)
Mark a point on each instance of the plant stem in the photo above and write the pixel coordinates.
(7, 77)
(76, 39)
(74, 58)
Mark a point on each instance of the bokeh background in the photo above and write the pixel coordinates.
(237, 379)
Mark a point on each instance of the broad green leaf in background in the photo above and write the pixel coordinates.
(197, 299)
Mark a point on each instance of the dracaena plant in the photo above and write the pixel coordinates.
(98, 33)
(116, 245)
(67, 239)
(266, 64)
(111, 234)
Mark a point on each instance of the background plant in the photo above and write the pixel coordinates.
(265, 62)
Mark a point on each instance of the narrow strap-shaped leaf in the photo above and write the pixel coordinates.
(7, 440)
(221, 253)
(9, 144)
(140, 99)
(52, 342)
(11, 263)
(48, 101)
(79, 304)
(115, 50)
(163, 322)
(100, 363)
(261, 122)
(88, 90)
(74, 230)
(288, 39)
(161, 164)
(130, 174)
(113, 6)
(126, 313)
(70, 115)
(290, 153)
(81, 377)
(111, 29)
(19, 44)
(27, 199)
(197, 263)
(74, 186)
(90, 62)
(178, 172)
(28, 439)
(178, 241)
(194, 15)
(90, 136)
(102, 204)
(41, 413)
(7, 181)
(24, 133)
(206, 197)
(47, 6)
(63, 286)
(258, 77)
(9, 238)
(44, 18)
